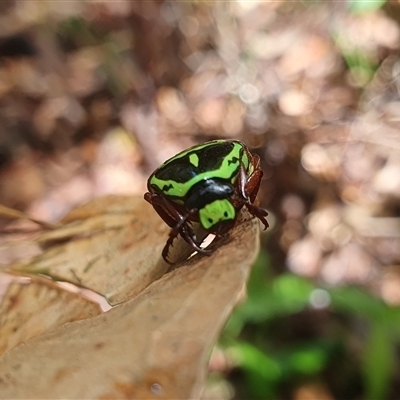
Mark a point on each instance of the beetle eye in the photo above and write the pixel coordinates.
(210, 220)
(226, 214)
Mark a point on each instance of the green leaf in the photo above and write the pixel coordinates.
(352, 300)
(262, 372)
(269, 298)
(378, 361)
(292, 293)
(361, 6)
(308, 360)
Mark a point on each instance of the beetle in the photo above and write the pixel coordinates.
(208, 183)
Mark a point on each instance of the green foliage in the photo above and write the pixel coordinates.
(361, 64)
(378, 360)
(361, 6)
(269, 298)
(308, 360)
(261, 370)
(356, 6)
(271, 351)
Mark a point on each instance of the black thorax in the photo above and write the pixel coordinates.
(207, 191)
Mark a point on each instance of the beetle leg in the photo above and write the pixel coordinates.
(165, 250)
(249, 184)
(182, 228)
(173, 218)
(254, 180)
(258, 212)
(178, 222)
(161, 208)
(189, 239)
(170, 216)
(242, 181)
(179, 228)
(248, 188)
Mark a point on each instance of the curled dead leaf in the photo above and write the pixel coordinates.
(30, 308)
(155, 345)
(111, 245)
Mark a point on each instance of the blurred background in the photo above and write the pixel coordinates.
(95, 95)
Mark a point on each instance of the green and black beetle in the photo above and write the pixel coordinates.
(208, 183)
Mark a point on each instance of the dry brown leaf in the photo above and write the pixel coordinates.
(10, 213)
(155, 345)
(29, 309)
(111, 245)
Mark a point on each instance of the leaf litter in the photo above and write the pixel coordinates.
(156, 342)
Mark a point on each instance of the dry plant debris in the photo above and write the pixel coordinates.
(156, 343)
(35, 306)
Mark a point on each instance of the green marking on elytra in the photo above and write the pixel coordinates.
(228, 168)
(193, 148)
(194, 159)
(217, 211)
